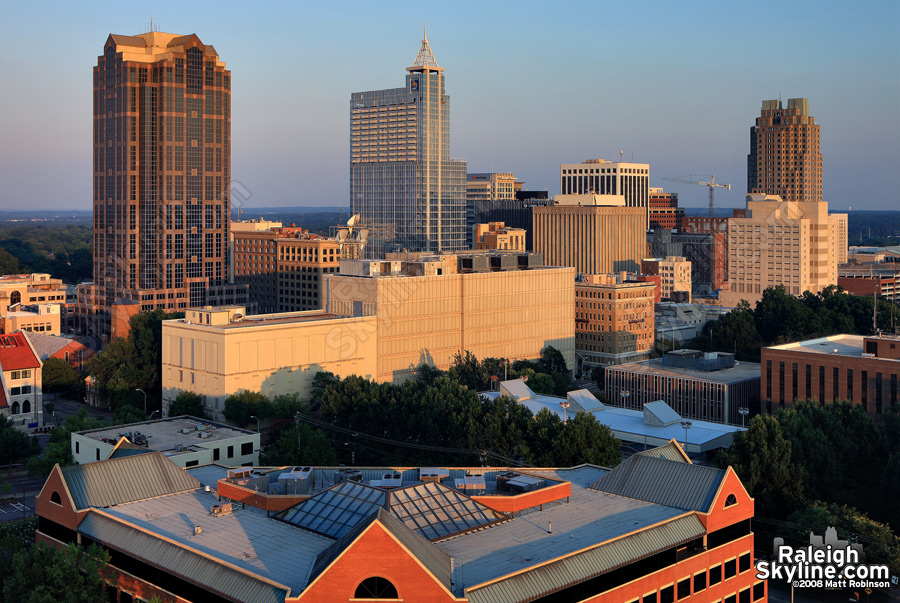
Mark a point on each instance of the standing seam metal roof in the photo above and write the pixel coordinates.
(122, 480)
(671, 451)
(664, 482)
(191, 565)
(568, 571)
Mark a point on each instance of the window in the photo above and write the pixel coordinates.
(77, 447)
(97, 453)
(794, 383)
(216, 454)
(684, 588)
(246, 448)
(744, 596)
(744, 562)
(55, 498)
(376, 587)
(730, 568)
(835, 382)
(649, 598)
(715, 575)
(731, 599)
(231, 452)
(667, 594)
(193, 463)
(759, 591)
(731, 500)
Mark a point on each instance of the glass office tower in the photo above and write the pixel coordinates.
(407, 190)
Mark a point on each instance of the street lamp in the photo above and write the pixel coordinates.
(743, 411)
(145, 399)
(686, 425)
(257, 422)
(151, 415)
(565, 406)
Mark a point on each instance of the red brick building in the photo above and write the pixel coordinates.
(863, 370)
(664, 210)
(655, 528)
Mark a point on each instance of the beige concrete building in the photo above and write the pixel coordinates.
(595, 234)
(675, 276)
(495, 235)
(218, 351)
(25, 302)
(614, 319)
(493, 305)
(40, 318)
(791, 243)
(384, 318)
(492, 186)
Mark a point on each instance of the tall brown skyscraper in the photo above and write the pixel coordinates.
(784, 154)
(162, 166)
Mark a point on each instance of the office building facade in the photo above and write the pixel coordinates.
(162, 167)
(595, 234)
(513, 214)
(403, 184)
(798, 245)
(785, 158)
(601, 177)
(664, 210)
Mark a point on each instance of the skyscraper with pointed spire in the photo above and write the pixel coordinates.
(404, 185)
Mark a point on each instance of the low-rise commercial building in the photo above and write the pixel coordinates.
(497, 236)
(863, 370)
(708, 386)
(675, 276)
(657, 527)
(614, 319)
(186, 441)
(33, 302)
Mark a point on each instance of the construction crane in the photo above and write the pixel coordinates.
(712, 184)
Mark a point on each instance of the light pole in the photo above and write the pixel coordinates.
(145, 399)
(151, 415)
(743, 411)
(257, 422)
(565, 406)
(686, 425)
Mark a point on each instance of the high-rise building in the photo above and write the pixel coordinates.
(675, 276)
(595, 234)
(601, 177)
(798, 245)
(489, 187)
(664, 210)
(513, 214)
(162, 166)
(403, 184)
(784, 154)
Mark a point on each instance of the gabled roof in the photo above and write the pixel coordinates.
(573, 569)
(47, 345)
(125, 448)
(16, 353)
(117, 481)
(435, 561)
(194, 566)
(671, 451)
(663, 482)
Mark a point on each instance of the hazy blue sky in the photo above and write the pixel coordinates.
(532, 85)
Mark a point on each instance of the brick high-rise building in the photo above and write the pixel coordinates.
(162, 166)
(403, 184)
(664, 210)
(784, 154)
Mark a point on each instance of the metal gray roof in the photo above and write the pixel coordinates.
(670, 451)
(663, 482)
(568, 571)
(116, 481)
(436, 561)
(125, 448)
(213, 575)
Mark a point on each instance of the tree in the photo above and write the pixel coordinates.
(552, 361)
(15, 445)
(59, 448)
(761, 456)
(43, 574)
(241, 406)
(584, 440)
(598, 374)
(57, 376)
(301, 444)
(880, 544)
(468, 371)
(188, 403)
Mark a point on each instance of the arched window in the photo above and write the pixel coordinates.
(15, 408)
(15, 298)
(55, 498)
(26, 406)
(376, 587)
(731, 500)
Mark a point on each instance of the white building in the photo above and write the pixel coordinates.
(598, 176)
(21, 399)
(186, 441)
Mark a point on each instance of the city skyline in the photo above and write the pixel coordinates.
(678, 87)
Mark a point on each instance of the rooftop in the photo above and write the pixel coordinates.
(165, 434)
(742, 371)
(16, 353)
(842, 345)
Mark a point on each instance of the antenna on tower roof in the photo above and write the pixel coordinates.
(425, 31)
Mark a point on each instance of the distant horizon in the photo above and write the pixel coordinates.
(675, 86)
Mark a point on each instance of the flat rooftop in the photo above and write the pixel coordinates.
(261, 320)
(245, 538)
(840, 345)
(164, 434)
(742, 371)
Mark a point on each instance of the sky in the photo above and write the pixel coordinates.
(532, 85)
